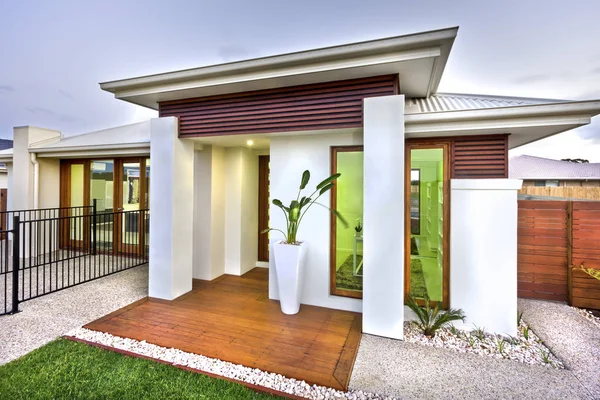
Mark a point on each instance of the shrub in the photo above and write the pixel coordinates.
(430, 319)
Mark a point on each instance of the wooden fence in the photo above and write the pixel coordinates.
(566, 192)
(554, 239)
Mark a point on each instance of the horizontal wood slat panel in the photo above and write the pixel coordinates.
(542, 260)
(330, 105)
(483, 157)
(585, 290)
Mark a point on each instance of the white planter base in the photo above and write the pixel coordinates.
(289, 267)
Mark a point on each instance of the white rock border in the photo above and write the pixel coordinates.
(587, 314)
(222, 368)
(529, 350)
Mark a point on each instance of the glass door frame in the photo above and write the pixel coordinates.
(64, 236)
(118, 245)
(428, 144)
(65, 201)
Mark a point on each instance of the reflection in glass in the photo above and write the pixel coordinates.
(426, 219)
(101, 190)
(349, 241)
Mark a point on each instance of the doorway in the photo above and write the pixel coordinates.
(119, 188)
(427, 222)
(263, 207)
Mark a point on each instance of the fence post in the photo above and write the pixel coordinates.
(93, 236)
(569, 250)
(15, 267)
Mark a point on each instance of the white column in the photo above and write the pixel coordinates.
(383, 216)
(483, 252)
(172, 203)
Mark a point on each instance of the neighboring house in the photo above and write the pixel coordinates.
(538, 171)
(425, 172)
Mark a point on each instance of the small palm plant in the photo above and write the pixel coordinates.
(298, 208)
(432, 318)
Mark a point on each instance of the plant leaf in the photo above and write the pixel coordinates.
(326, 188)
(305, 179)
(328, 180)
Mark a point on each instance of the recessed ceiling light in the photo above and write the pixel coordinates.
(249, 142)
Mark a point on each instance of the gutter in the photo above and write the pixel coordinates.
(36, 181)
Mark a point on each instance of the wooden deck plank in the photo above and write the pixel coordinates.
(232, 318)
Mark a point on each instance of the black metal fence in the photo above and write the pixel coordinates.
(54, 249)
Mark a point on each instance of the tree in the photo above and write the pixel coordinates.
(576, 160)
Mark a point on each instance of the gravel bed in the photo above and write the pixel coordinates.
(589, 315)
(222, 368)
(44, 319)
(526, 347)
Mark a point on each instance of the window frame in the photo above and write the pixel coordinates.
(333, 290)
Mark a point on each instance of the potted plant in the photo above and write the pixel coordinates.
(290, 253)
(358, 228)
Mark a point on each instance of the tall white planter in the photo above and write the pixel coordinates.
(289, 266)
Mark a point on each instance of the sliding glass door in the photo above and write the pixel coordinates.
(426, 232)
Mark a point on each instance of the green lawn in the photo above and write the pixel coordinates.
(68, 370)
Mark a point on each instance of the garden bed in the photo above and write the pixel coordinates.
(526, 347)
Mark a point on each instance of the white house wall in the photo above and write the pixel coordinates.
(289, 157)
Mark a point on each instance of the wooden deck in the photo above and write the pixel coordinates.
(232, 319)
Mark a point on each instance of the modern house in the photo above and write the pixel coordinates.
(425, 173)
(545, 172)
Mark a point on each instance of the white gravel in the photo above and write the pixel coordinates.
(222, 368)
(587, 314)
(44, 319)
(529, 350)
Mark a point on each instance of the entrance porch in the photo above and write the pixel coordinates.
(231, 318)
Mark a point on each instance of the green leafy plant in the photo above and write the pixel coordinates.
(513, 340)
(471, 341)
(545, 356)
(430, 319)
(358, 228)
(479, 333)
(298, 208)
(526, 333)
(519, 317)
(501, 342)
(454, 330)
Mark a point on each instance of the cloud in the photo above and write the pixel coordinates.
(595, 70)
(6, 88)
(232, 52)
(40, 110)
(66, 94)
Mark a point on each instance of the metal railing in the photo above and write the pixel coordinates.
(54, 249)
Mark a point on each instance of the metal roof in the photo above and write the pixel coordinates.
(441, 102)
(530, 167)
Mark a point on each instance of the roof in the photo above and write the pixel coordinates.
(419, 59)
(441, 102)
(530, 167)
(6, 144)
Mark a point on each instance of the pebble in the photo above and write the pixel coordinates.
(530, 350)
(588, 315)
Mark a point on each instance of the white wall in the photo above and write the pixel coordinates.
(172, 222)
(383, 225)
(49, 191)
(290, 156)
(483, 252)
(241, 210)
(4, 180)
(209, 213)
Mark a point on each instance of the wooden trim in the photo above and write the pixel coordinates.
(445, 146)
(328, 105)
(345, 364)
(263, 207)
(333, 290)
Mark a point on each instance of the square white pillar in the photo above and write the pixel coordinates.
(172, 216)
(483, 252)
(383, 216)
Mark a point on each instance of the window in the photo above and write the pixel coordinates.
(539, 183)
(346, 266)
(551, 183)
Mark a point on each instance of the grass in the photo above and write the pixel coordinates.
(68, 370)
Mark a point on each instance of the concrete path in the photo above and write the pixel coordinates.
(572, 338)
(48, 317)
(413, 371)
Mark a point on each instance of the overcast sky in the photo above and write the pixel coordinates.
(54, 53)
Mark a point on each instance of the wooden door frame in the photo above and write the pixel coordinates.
(263, 207)
(333, 290)
(428, 144)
